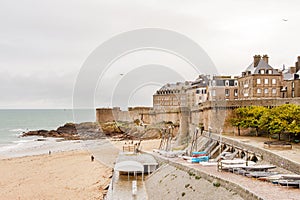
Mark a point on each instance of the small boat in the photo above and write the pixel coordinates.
(233, 162)
(200, 159)
(187, 157)
(258, 174)
(290, 176)
(270, 178)
(289, 183)
(199, 153)
(259, 167)
(209, 163)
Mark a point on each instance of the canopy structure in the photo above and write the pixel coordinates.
(129, 166)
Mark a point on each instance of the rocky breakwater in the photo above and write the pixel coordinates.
(71, 131)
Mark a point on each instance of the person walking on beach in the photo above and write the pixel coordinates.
(49, 152)
(92, 158)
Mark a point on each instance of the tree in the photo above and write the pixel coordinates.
(239, 118)
(253, 117)
(282, 119)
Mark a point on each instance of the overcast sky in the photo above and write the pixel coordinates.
(43, 44)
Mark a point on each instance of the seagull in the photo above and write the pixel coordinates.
(121, 74)
(285, 20)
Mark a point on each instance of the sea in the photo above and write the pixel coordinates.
(13, 122)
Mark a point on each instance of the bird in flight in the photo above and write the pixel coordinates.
(285, 20)
(121, 74)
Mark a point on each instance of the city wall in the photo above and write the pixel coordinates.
(212, 115)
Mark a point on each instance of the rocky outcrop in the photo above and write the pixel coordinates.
(92, 130)
(71, 131)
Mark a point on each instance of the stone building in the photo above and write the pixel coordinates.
(198, 90)
(291, 82)
(260, 80)
(223, 88)
(171, 96)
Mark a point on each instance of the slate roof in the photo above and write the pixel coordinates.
(261, 65)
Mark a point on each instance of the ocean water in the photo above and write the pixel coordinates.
(15, 121)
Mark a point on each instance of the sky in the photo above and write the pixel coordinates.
(44, 44)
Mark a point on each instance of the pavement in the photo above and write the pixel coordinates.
(291, 154)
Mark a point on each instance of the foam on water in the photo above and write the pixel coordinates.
(15, 122)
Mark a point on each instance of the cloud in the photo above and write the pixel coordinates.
(44, 43)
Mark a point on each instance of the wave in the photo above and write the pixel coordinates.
(18, 130)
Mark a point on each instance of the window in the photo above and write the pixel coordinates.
(213, 93)
(266, 81)
(227, 92)
(293, 93)
(262, 71)
(258, 90)
(246, 94)
(213, 83)
(226, 83)
(258, 81)
(293, 84)
(274, 91)
(197, 91)
(266, 90)
(273, 81)
(235, 92)
(269, 71)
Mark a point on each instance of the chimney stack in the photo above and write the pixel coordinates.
(256, 60)
(293, 70)
(266, 58)
(298, 64)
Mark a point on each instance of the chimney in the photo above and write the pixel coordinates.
(256, 60)
(266, 58)
(298, 64)
(293, 70)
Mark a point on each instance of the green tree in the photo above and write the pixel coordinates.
(284, 119)
(253, 117)
(237, 119)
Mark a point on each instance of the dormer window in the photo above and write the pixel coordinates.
(270, 71)
(262, 71)
(226, 83)
(235, 83)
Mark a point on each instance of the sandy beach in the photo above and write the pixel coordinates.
(64, 175)
(67, 173)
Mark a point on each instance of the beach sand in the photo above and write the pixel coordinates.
(64, 175)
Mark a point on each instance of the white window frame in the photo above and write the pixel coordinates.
(236, 92)
(213, 93)
(226, 83)
(266, 81)
(266, 90)
(274, 91)
(258, 91)
(227, 94)
(258, 81)
(273, 81)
